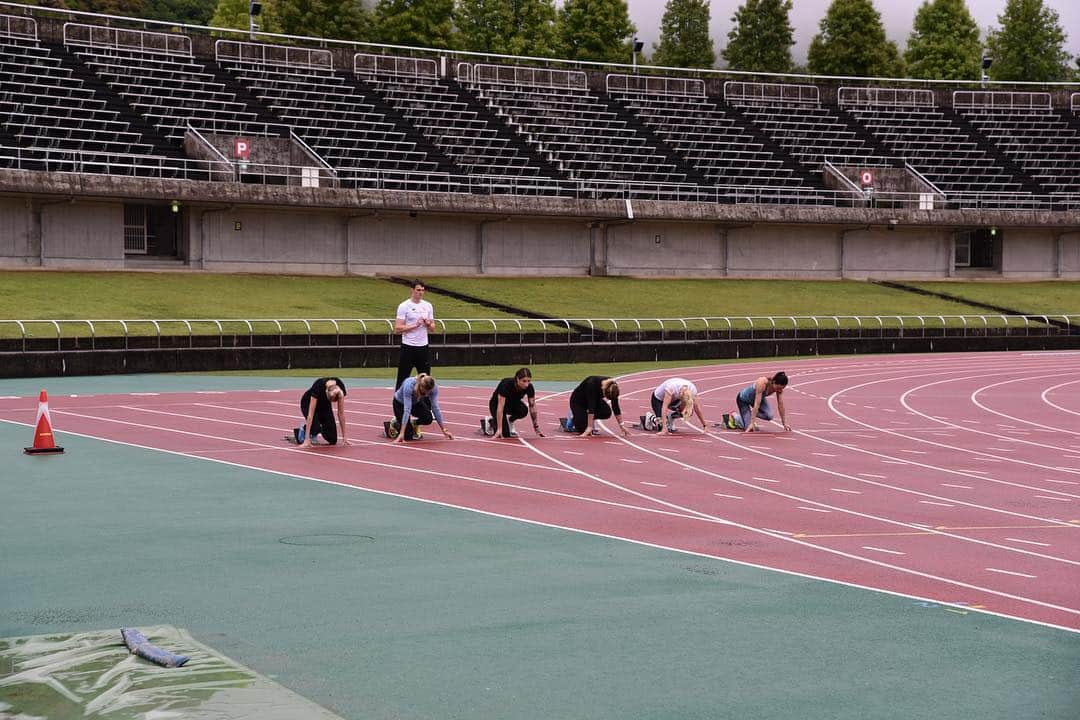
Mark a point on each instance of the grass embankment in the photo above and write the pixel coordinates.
(30, 295)
(1029, 298)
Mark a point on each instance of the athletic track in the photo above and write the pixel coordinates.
(946, 478)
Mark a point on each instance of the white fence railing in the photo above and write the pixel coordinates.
(20, 336)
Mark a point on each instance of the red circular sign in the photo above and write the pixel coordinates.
(866, 177)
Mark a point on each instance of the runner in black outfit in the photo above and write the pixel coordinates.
(506, 405)
(317, 407)
(589, 402)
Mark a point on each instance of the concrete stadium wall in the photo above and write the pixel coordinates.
(61, 234)
(17, 249)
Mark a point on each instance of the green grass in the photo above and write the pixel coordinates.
(35, 295)
(1031, 298)
(640, 298)
(557, 372)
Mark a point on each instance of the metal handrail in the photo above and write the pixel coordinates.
(19, 334)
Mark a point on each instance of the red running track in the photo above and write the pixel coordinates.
(949, 478)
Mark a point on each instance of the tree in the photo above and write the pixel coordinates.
(334, 19)
(127, 8)
(684, 36)
(944, 42)
(507, 27)
(186, 12)
(852, 42)
(1030, 45)
(232, 14)
(762, 37)
(420, 23)
(597, 30)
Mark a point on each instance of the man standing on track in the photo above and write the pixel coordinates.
(414, 318)
(752, 405)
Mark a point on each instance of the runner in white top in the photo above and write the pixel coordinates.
(676, 398)
(414, 318)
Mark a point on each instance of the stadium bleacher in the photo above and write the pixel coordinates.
(570, 126)
(52, 121)
(328, 110)
(473, 139)
(911, 125)
(1026, 127)
(111, 100)
(680, 113)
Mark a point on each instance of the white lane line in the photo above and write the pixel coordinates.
(850, 492)
(1062, 482)
(931, 502)
(877, 549)
(778, 532)
(763, 479)
(962, 487)
(1029, 542)
(670, 450)
(894, 462)
(913, 452)
(733, 497)
(821, 454)
(1010, 572)
(803, 507)
(652, 484)
(628, 460)
(262, 391)
(209, 392)
(569, 452)
(871, 475)
(722, 457)
(1047, 497)
(148, 394)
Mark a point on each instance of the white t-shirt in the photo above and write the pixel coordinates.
(673, 386)
(411, 312)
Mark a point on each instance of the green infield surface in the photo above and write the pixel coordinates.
(370, 605)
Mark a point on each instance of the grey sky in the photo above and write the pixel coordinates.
(806, 15)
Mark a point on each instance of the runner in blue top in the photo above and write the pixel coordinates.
(417, 397)
(752, 405)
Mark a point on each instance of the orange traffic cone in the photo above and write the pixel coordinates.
(43, 434)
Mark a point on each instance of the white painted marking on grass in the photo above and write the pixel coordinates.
(883, 550)
(931, 502)
(849, 492)
(652, 484)
(733, 497)
(1029, 542)
(1010, 572)
(812, 509)
(1047, 497)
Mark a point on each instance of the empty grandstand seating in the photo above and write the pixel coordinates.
(157, 74)
(680, 113)
(575, 130)
(92, 98)
(326, 109)
(908, 122)
(794, 117)
(1027, 128)
(56, 122)
(476, 141)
